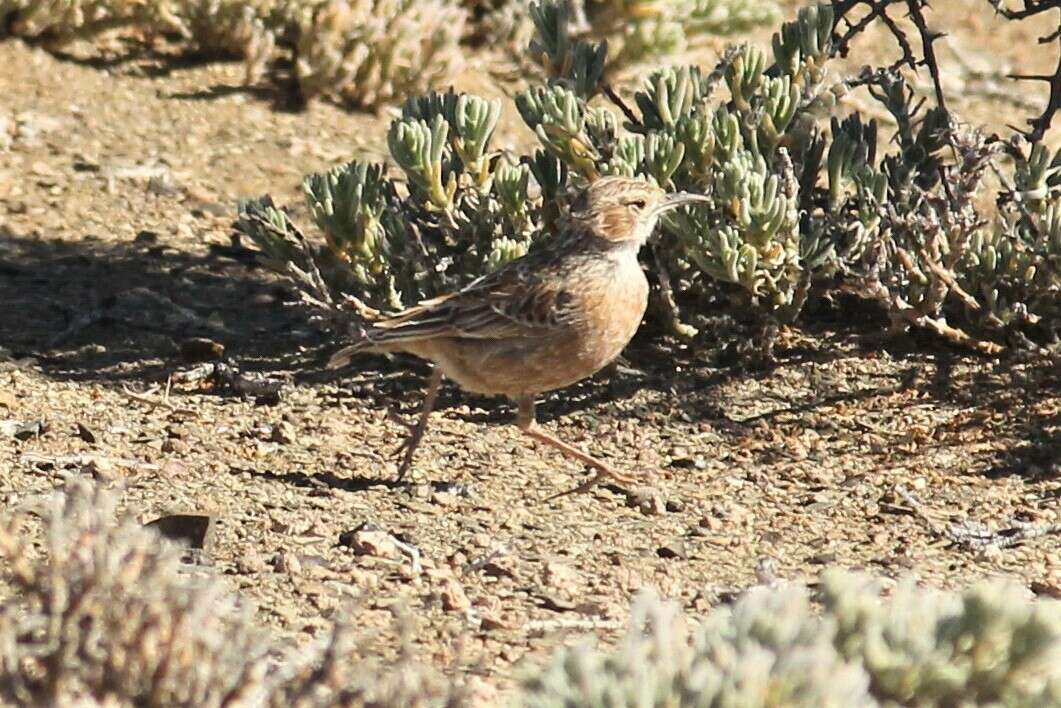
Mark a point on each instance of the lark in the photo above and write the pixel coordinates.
(542, 322)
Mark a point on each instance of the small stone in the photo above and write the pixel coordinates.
(100, 468)
(174, 446)
(287, 563)
(86, 434)
(489, 622)
(191, 530)
(250, 562)
(283, 433)
(370, 542)
(673, 549)
(450, 590)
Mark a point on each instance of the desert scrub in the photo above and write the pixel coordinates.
(988, 645)
(104, 614)
(368, 53)
(458, 211)
(359, 52)
(637, 31)
(805, 201)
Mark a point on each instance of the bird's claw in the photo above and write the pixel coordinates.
(626, 483)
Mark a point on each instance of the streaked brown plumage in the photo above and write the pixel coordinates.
(544, 321)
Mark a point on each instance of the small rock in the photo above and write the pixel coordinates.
(191, 530)
(23, 430)
(100, 468)
(489, 622)
(287, 563)
(673, 549)
(370, 541)
(450, 590)
(283, 433)
(86, 434)
(251, 562)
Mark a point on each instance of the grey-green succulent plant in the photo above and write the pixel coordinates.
(807, 198)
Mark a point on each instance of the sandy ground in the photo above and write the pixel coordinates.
(116, 197)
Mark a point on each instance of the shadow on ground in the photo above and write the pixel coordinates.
(91, 311)
(154, 60)
(95, 311)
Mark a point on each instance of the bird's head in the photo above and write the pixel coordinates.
(621, 209)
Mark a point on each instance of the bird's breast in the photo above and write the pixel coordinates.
(614, 305)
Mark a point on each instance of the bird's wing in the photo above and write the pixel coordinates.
(517, 300)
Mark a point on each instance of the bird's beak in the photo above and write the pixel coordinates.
(680, 199)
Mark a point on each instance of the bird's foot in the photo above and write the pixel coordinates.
(414, 432)
(406, 449)
(639, 489)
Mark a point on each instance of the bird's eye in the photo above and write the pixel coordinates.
(638, 204)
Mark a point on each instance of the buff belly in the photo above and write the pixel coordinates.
(521, 366)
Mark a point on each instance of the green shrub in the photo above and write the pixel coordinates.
(988, 645)
(104, 614)
(369, 53)
(108, 617)
(805, 202)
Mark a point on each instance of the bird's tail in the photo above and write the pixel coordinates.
(396, 332)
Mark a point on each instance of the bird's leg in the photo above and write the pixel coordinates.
(416, 432)
(529, 425)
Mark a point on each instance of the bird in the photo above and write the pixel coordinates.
(543, 321)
